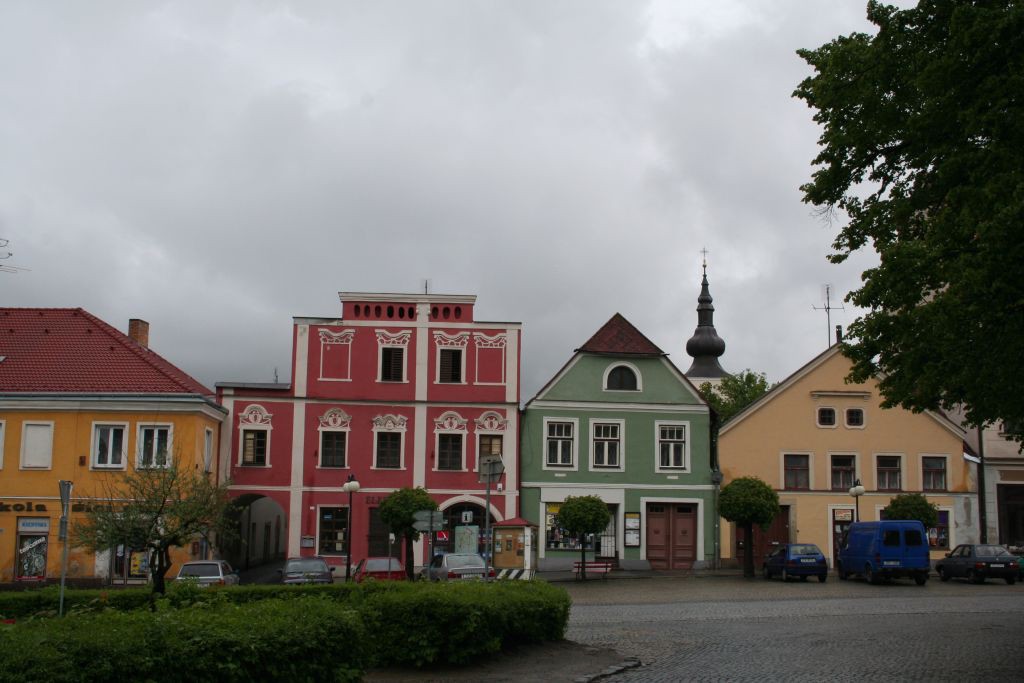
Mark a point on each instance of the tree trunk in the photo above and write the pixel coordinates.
(583, 557)
(410, 561)
(159, 564)
(748, 556)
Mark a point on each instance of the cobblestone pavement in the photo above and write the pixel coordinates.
(729, 628)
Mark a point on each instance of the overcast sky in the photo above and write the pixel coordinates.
(217, 168)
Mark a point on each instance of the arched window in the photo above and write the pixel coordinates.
(621, 378)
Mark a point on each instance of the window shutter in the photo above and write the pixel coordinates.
(38, 446)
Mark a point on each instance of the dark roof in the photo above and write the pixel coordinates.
(619, 337)
(705, 346)
(68, 350)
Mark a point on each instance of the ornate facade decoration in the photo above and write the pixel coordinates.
(255, 415)
(390, 423)
(458, 341)
(335, 418)
(344, 337)
(400, 338)
(491, 422)
(484, 341)
(450, 422)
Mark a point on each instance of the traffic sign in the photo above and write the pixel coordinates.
(428, 520)
(491, 468)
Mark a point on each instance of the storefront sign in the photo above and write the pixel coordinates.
(34, 525)
(843, 515)
(28, 506)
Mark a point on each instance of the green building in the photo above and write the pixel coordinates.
(621, 422)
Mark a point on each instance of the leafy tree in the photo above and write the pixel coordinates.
(583, 515)
(912, 506)
(748, 501)
(735, 392)
(163, 508)
(922, 131)
(398, 511)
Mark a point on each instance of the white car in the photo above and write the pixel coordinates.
(456, 567)
(208, 573)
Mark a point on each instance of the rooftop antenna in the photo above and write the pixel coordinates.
(275, 376)
(6, 255)
(426, 285)
(828, 313)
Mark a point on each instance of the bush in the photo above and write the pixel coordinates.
(303, 639)
(46, 601)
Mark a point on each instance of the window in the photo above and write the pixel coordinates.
(557, 538)
(606, 444)
(37, 445)
(888, 473)
(333, 524)
(389, 450)
(449, 451)
(798, 471)
(938, 535)
(933, 474)
(392, 364)
(254, 447)
(449, 368)
(560, 444)
(208, 451)
(826, 417)
(671, 447)
(154, 445)
(843, 472)
(854, 417)
(621, 378)
(108, 445)
(490, 444)
(332, 449)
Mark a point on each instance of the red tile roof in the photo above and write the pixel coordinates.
(58, 350)
(618, 336)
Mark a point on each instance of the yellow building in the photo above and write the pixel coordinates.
(813, 436)
(83, 402)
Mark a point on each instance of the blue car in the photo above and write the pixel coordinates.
(796, 559)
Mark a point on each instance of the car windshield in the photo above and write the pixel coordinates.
(806, 549)
(306, 565)
(455, 561)
(381, 565)
(206, 570)
(992, 550)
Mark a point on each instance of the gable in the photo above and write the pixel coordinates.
(584, 377)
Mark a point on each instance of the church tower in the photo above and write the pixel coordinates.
(705, 346)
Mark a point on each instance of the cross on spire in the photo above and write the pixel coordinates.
(704, 253)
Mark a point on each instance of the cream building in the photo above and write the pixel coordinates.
(813, 436)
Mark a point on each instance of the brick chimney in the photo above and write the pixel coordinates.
(139, 331)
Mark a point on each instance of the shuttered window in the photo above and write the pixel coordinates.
(450, 369)
(392, 364)
(37, 446)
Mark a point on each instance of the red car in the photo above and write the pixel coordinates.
(380, 568)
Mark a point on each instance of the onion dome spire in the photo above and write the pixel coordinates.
(705, 346)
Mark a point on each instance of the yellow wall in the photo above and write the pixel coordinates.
(787, 423)
(72, 459)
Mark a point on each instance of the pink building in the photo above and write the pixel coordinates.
(401, 390)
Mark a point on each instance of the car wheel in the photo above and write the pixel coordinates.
(973, 577)
(943, 574)
(822, 578)
(1010, 580)
(921, 579)
(871, 575)
(765, 573)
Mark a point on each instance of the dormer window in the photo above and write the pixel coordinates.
(621, 378)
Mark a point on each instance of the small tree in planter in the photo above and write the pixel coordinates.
(748, 501)
(398, 511)
(582, 515)
(912, 506)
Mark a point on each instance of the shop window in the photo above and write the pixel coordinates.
(333, 523)
(557, 538)
(938, 535)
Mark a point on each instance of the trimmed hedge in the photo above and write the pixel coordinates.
(279, 631)
(294, 640)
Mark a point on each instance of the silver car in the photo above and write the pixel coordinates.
(208, 573)
(456, 567)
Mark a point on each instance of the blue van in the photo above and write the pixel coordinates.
(885, 550)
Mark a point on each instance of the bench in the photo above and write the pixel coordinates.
(601, 567)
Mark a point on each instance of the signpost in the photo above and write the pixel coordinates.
(65, 500)
(428, 521)
(491, 469)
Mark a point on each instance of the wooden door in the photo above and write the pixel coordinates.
(671, 535)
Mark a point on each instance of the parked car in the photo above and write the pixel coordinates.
(380, 568)
(208, 573)
(298, 570)
(796, 559)
(977, 562)
(456, 567)
(885, 550)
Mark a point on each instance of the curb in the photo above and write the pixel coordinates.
(629, 663)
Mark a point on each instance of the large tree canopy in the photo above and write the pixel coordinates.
(922, 132)
(735, 392)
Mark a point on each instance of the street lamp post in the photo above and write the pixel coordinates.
(856, 491)
(350, 486)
